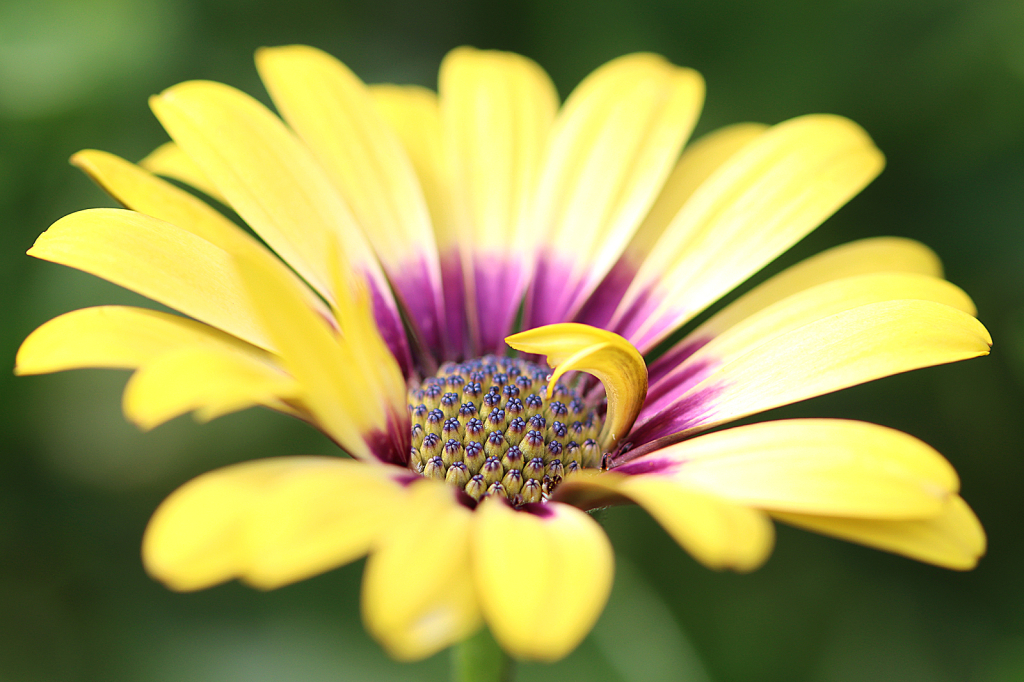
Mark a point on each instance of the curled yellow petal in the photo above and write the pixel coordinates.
(567, 562)
(608, 356)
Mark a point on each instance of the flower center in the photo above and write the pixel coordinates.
(486, 427)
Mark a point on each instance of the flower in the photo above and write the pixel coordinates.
(390, 209)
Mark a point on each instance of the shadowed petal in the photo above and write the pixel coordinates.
(719, 533)
(953, 539)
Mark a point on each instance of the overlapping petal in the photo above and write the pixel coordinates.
(865, 256)
(415, 115)
(837, 351)
(211, 381)
(269, 522)
(118, 337)
(612, 147)
(952, 539)
(826, 467)
(698, 161)
(350, 383)
(333, 113)
(752, 208)
(792, 313)
(141, 191)
(277, 187)
(718, 532)
(170, 161)
(159, 260)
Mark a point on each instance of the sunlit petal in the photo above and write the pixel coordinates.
(158, 260)
(613, 145)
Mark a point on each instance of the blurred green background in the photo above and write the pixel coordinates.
(939, 84)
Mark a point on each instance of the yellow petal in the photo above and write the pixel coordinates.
(561, 566)
(953, 539)
(158, 260)
(350, 382)
(865, 256)
(838, 351)
(331, 109)
(812, 466)
(800, 310)
(268, 177)
(414, 114)
(170, 161)
(145, 193)
(418, 592)
(719, 533)
(754, 207)
(497, 110)
(617, 364)
(116, 337)
(269, 522)
(613, 145)
(698, 161)
(213, 381)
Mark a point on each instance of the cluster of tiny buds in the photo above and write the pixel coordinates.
(486, 426)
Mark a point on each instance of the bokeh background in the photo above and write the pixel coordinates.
(939, 84)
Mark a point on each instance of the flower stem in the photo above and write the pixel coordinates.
(480, 659)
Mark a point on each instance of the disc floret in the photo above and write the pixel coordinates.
(486, 426)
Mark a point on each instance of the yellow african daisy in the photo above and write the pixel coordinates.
(402, 239)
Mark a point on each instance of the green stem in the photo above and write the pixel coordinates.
(480, 659)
